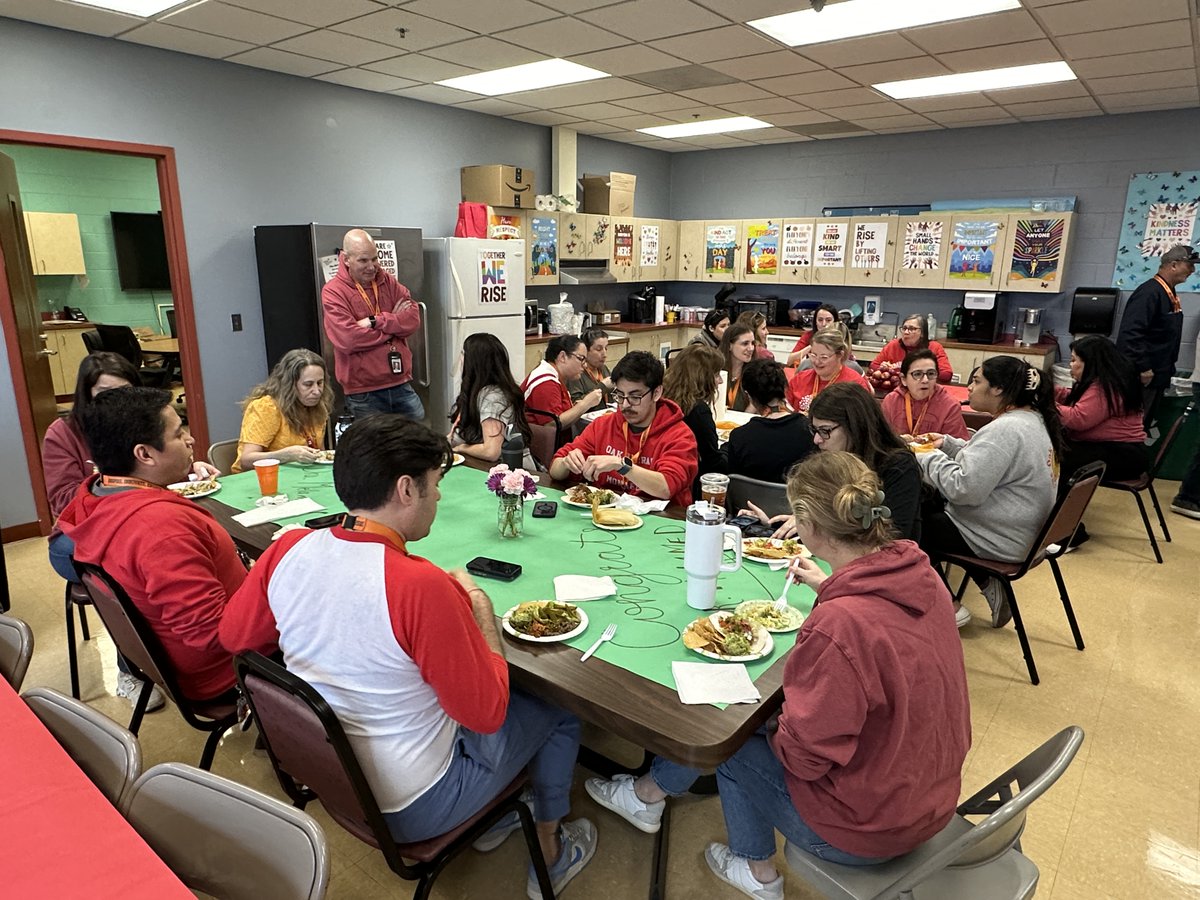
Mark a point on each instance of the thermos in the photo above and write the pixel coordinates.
(703, 541)
(512, 451)
(344, 421)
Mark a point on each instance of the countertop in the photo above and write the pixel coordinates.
(612, 339)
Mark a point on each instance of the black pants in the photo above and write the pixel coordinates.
(1150, 397)
(1123, 461)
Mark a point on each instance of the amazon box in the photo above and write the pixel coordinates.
(508, 186)
(609, 195)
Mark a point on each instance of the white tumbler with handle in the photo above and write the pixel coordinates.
(703, 545)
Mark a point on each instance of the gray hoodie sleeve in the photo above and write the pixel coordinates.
(969, 476)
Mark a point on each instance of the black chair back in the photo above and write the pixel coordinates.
(92, 341)
(121, 340)
(1066, 514)
(1172, 433)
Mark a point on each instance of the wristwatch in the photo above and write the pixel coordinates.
(371, 319)
(626, 465)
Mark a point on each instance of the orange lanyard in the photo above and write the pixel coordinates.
(127, 481)
(641, 443)
(912, 429)
(817, 384)
(731, 391)
(369, 526)
(1175, 307)
(367, 300)
(310, 440)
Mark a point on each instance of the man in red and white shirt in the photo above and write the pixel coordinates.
(545, 388)
(408, 656)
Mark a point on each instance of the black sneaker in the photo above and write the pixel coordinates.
(1188, 508)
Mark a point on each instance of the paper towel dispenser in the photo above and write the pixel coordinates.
(585, 271)
(1094, 310)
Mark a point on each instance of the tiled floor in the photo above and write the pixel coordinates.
(1123, 823)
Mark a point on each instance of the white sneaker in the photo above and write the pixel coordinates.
(619, 796)
(962, 615)
(735, 871)
(578, 840)
(997, 599)
(130, 687)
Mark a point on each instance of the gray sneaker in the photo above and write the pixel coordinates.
(1186, 507)
(735, 872)
(129, 687)
(578, 846)
(997, 599)
(619, 796)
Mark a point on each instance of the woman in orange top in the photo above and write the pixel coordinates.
(737, 346)
(284, 417)
(758, 324)
(827, 353)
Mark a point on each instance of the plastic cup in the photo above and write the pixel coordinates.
(713, 488)
(268, 476)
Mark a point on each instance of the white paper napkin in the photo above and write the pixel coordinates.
(699, 682)
(275, 513)
(580, 588)
(639, 506)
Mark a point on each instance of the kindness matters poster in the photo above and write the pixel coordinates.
(1160, 212)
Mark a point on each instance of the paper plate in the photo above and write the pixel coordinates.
(553, 639)
(763, 645)
(796, 617)
(179, 487)
(775, 542)
(459, 459)
(588, 505)
(640, 523)
(325, 458)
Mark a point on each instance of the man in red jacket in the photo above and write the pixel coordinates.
(368, 317)
(177, 564)
(645, 450)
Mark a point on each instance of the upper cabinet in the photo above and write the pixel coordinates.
(572, 228)
(922, 244)
(653, 249)
(54, 244)
(829, 254)
(977, 242)
(871, 250)
(691, 251)
(722, 250)
(1035, 252)
(623, 261)
(796, 251)
(760, 250)
(541, 243)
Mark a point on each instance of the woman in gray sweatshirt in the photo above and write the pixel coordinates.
(997, 488)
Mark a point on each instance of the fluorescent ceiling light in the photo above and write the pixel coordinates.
(710, 126)
(971, 82)
(529, 77)
(143, 8)
(854, 18)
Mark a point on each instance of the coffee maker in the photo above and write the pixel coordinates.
(641, 306)
(983, 316)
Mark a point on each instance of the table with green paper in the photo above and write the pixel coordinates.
(627, 687)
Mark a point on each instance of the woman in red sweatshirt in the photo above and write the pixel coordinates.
(914, 335)
(920, 405)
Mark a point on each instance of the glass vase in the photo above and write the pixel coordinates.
(510, 517)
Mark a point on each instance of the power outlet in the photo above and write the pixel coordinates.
(237, 321)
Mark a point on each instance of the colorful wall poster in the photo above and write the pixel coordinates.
(831, 245)
(493, 276)
(762, 248)
(649, 245)
(797, 245)
(869, 246)
(720, 244)
(1037, 250)
(543, 254)
(1160, 212)
(504, 226)
(922, 245)
(973, 249)
(623, 244)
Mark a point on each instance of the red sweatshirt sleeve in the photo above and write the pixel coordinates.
(1089, 411)
(805, 340)
(248, 622)
(432, 620)
(64, 464)
(403, 318)
(891, 352)
(945, 370)
(341, 321)
(589, 439)
(676, 459)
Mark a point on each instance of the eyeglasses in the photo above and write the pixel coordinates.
(820, 360)
(910, 327)
(923, 375)
(582, 359)
(632, 399)
(824, 431)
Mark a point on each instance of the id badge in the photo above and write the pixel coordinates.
(396, 362)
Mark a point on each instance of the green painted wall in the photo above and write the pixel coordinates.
(91, 185)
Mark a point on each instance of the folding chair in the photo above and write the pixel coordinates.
(16, 649)
(768, 496)
(75, 598)
(223, 454)
(545, 438)
(313, 759)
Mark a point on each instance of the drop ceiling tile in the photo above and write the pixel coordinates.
(981, 31)
(1148, 81)
(156, 34)
(550, 37)
(656, 102)
(794, 119)
(646, 20)
(485, 53)
(895, 70)
(603, 128)
(1152, 100)
(318, 13)
(959, 116)
(1099, 15)
(695, 114)
(954, 101)
(730, 42)
(1045, 107)
(545, 117)
(837, 136)
(636, 121)
(1061, 91)
(401, 28)
(584, 92)
(778, 136)
(628, 60)
(840, 99)
(910, 129)
(1023, 54)
(805, 83)
(278, 61)
(759, 108)
(482, 16)
(418, 67)
(235, 23)
(337, 47)
(1135, 63)
(683, 78)
(872, 111)
(1125, 40)
(367, 81)
(494, 106)
(596, 112)
(728, 93)
(570, 7)
(1066, 115)
(70, 16)
(435, 93)
(911, 120)
(715, 141)
(748, 10)
(854, 51)
(765, 65)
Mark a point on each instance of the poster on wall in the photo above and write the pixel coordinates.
(831, 245)
(973, 250)
(797, 245)
(329, 266)
(543, 255)
(922, 245)
(720, 242)
(649, 245)
(1160, 212)
(493, 277)
(762, 248)
(1037, 250)
(869, 246)
(504, 226)
(387, 257)
(623, 245)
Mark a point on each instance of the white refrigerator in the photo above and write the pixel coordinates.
(472, 286)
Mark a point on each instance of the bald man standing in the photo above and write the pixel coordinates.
(368, 317)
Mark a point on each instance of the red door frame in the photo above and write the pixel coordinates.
(181, 291)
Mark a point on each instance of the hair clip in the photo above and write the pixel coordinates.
(867, 513)
(1033, 378)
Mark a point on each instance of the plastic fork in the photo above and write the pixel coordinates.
(607, 635)
(782, 603)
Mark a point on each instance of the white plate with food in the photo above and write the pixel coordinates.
(633, 526)
(769, 550)
(544, 621)
(771, 617)
(194, 490)
(581, 496)
(325, 457)
(459, 459)
(728, 637)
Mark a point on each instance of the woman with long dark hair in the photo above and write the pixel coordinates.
(713, 329)
(737, 348)
(776, 438)
(997, 488)
(914, 335)
(825, 316)
(692, 383)
(758, 324)
(284, 417)
(489, 403)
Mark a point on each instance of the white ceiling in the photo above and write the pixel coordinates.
(1128, 55)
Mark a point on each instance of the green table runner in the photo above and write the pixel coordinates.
(650, 608)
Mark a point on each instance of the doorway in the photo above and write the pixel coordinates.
(21, 315)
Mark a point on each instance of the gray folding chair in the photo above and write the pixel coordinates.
(223, 454)
(16, 649)
(228, 840)
(981, 861)
(108, 754)
(768, 496)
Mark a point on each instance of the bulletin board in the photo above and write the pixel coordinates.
(1160, 212)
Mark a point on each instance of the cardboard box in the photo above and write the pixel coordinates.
(509, 186)
(610, 194)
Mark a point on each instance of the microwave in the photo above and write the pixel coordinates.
(774, 308)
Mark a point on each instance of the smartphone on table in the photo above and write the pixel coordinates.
(486, 567)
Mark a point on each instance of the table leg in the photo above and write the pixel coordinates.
(658, 874)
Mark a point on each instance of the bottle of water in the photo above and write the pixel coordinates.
(931, 323)
(344, 421)
(512, 451)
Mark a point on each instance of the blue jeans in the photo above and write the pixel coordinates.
(62, 548)
(756, 802)
(398, 399)
(534, 734)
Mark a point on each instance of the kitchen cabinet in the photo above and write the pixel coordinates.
(691, 251)
(1034, 252)
(829, 254)
(54, 244)
(598, 237)
(722, 251)
(653, 249)
(977, 243)
(571, 230)
(622, 260)
(965, 357)
(66, 342)
(871, 251)
(922, 246)
(541, 243)
(795, 254)
(760, 250)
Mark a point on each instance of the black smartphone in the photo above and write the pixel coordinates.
(545, 509)
(744, 522)
(324, 521)
(493, 568)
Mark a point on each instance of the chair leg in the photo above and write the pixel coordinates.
(529, 830)
(72, 654)
(1149, 530)
(962, 587)
(1161, 521)
(210, 747)
(139, 708)
(83, 623)
(1066, 602)
(1020, 627)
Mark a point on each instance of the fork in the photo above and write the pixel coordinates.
(607, 635)
(782, 603)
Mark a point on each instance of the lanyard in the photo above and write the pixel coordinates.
(310, 439)
(641, 443)
(374, 308)
(127, 481)
(818, 386)
(731, 391)
(1175, 307)
(369, 526)
(912, 428)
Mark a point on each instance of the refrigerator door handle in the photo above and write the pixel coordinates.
(421, 359)
(459, 298)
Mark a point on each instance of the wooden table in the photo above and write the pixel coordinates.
(61, 837)
(159, 343)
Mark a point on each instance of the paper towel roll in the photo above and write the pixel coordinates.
(541, 201)
(720, 407)
(660, 309)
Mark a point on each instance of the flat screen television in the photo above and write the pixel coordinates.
(141, 251)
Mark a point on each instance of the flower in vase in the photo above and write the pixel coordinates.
(505, 482)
